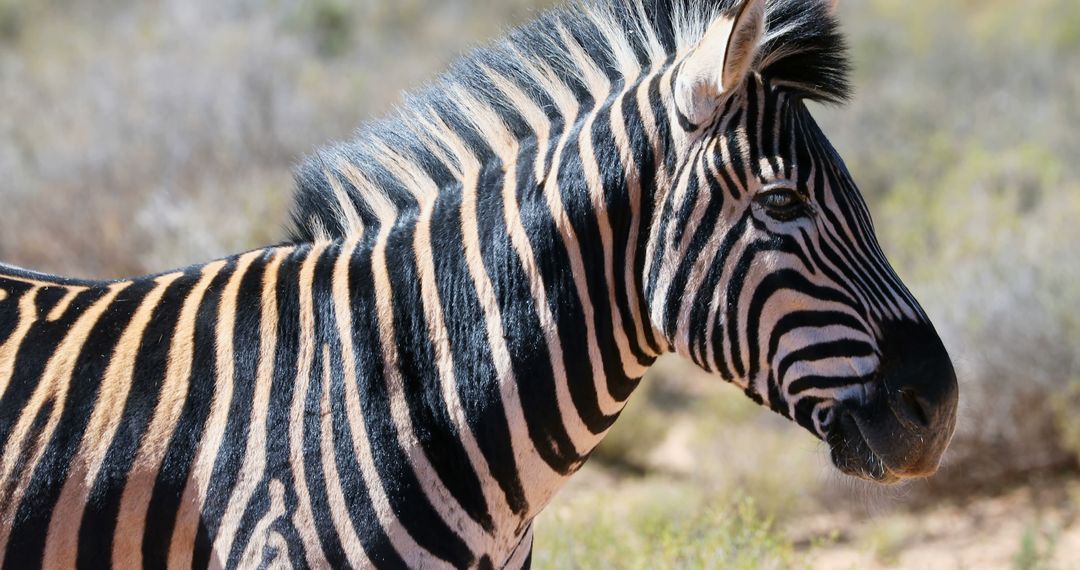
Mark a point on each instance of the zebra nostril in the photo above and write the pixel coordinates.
(913, 408)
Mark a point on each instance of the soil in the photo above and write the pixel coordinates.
(1033, 526)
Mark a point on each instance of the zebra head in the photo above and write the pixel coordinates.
(764, 266)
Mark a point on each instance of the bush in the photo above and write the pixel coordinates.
(12, 15)
(330, 25)
(662, 529)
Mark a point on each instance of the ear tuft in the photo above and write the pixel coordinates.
(720, 62)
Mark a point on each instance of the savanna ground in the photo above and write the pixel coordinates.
(136, 136)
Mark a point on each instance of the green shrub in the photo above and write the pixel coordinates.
(12, 14)
(666, 531)
(1036, 550)
(330, 25)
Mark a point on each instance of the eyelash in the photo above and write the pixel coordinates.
(794, 205)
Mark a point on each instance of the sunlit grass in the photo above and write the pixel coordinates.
(659, 525)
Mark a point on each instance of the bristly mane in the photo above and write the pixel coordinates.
(341, 189)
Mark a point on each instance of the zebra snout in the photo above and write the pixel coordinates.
(905, 427)
(913, 407)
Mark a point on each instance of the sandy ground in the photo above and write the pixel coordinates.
(982, 533)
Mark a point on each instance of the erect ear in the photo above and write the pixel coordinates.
(832, 4)
(720, 62)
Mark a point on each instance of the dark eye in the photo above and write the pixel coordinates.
(782, 203)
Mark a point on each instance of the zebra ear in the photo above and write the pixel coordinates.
(731, 41)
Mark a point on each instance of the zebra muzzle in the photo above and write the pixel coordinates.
(905, 428)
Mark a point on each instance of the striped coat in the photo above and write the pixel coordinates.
(474, 289)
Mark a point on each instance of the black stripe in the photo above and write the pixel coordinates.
(44, 278)
(677, 291)
(843, 348)
(97, 531)
(183, 445)
(731, 142)
(689, 202)
(667, 217)
(785, 145)
(47, 299)
(9, 306)
(245, 350)
(645, 162)
(278, 420)
(583, 217)
(809, 319)
(325, 336)
(34, 352)
(552, 260)
(752, 129)
(28, 536)
(579, 210)
(524, 342)
(365, 520)
(770, 143)
(776, 400)
(827, 383)
(660, 110)
(703, 299)
(31, 524)
(432, 425)
(804, 415)
(614, 176)
(402, 488)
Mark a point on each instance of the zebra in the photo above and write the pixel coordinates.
(473, 289)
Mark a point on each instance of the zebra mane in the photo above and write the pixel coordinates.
(391, 162)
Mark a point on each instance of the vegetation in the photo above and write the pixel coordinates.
(1035, 551)
(666, 531)
(138, 136)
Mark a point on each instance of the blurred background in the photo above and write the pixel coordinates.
(138, 136)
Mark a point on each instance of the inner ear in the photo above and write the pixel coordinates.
(720, 62)
(742, 44)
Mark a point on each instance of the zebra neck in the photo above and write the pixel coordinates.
(589, 180)
(506, 307)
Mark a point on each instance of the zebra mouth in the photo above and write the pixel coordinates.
(853, 455)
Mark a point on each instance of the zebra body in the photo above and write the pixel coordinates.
(243, 397)
(473, 291)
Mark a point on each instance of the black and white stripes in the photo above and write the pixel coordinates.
(474, 289)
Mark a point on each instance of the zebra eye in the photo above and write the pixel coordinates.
(782, 203)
